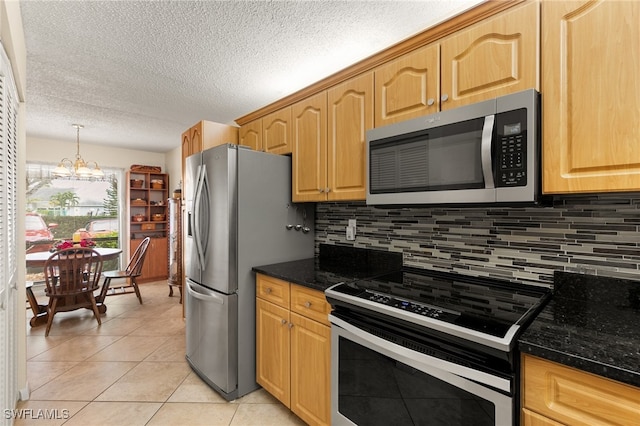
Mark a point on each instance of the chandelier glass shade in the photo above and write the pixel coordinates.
(78, 168)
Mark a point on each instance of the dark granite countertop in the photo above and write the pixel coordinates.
(593, 324)
(333, 265)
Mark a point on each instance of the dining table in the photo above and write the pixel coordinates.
(38, 260)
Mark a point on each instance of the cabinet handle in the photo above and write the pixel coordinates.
(283, 321)
(327, 190)
(307, 304)
(290, 326)
(268, 290)
(430, 101)
(321, 190)
(444, 97)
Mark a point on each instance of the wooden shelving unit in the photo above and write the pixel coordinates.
(148, 214)
(175, 245)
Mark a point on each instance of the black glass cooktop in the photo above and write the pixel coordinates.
(487, 306)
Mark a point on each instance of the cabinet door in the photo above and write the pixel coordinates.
(160, 262)
(251, 135)
(591, 96)
(575, 397)
(133, 245)
(156, 262)
(309, 168)
(272, 350)
(408, 87)
(214, 134)
(191, 143)
(195, 138)
(350, 116)
(492, 58)
(276, 132)
(310, 370)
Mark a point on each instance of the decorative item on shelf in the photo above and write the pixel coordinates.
(157, 184)
(137, 183)
(138, 218)
(148, 226)
(79, 168)
(139, 202)
(145, 169)
(66, 244)
(157, 217)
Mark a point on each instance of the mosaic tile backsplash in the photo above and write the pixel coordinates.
(597, 235)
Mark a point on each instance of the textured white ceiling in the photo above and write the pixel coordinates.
(136, 74)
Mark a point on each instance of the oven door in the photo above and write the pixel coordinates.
(376, 382)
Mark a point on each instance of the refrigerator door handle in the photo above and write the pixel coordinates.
(200, 222)
(206, 297)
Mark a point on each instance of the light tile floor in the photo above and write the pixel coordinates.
(131, 370)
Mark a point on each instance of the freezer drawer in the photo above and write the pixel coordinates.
(212, 336)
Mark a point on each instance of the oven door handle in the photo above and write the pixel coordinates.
(427, 361)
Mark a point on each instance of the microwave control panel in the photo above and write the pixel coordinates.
(511, 149)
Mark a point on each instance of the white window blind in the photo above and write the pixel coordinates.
(8, 215)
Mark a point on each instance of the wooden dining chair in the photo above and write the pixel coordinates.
(128, 276)
(71, 276)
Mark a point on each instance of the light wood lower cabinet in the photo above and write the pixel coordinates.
(293, 347)
(554, 394)
(272, 350)
(156, 265)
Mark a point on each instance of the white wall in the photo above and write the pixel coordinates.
(173, 160)
(52, 151)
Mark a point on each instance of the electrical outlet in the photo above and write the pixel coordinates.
(351, 230)
(351, 233)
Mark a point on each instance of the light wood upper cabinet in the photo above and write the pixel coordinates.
(204, 135)
(276, 132)
(554, 394)
(408, 87)
(492, 58)
(191, 143)
(309, 166)
(590, 96)
(251, 135)
(350, 115)
(329, 135)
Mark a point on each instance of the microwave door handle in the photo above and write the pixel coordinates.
(485, 151)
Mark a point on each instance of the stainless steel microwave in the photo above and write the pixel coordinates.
(488, 152)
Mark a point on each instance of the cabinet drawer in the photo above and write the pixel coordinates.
(530, 418)
(272, 289)
(575, 397)
(310, 303)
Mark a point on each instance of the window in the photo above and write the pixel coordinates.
(71, 209)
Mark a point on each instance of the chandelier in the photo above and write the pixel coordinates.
(78, 168)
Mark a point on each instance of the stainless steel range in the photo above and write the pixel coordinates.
(428, 348)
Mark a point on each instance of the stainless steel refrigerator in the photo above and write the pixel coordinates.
(238, 215)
